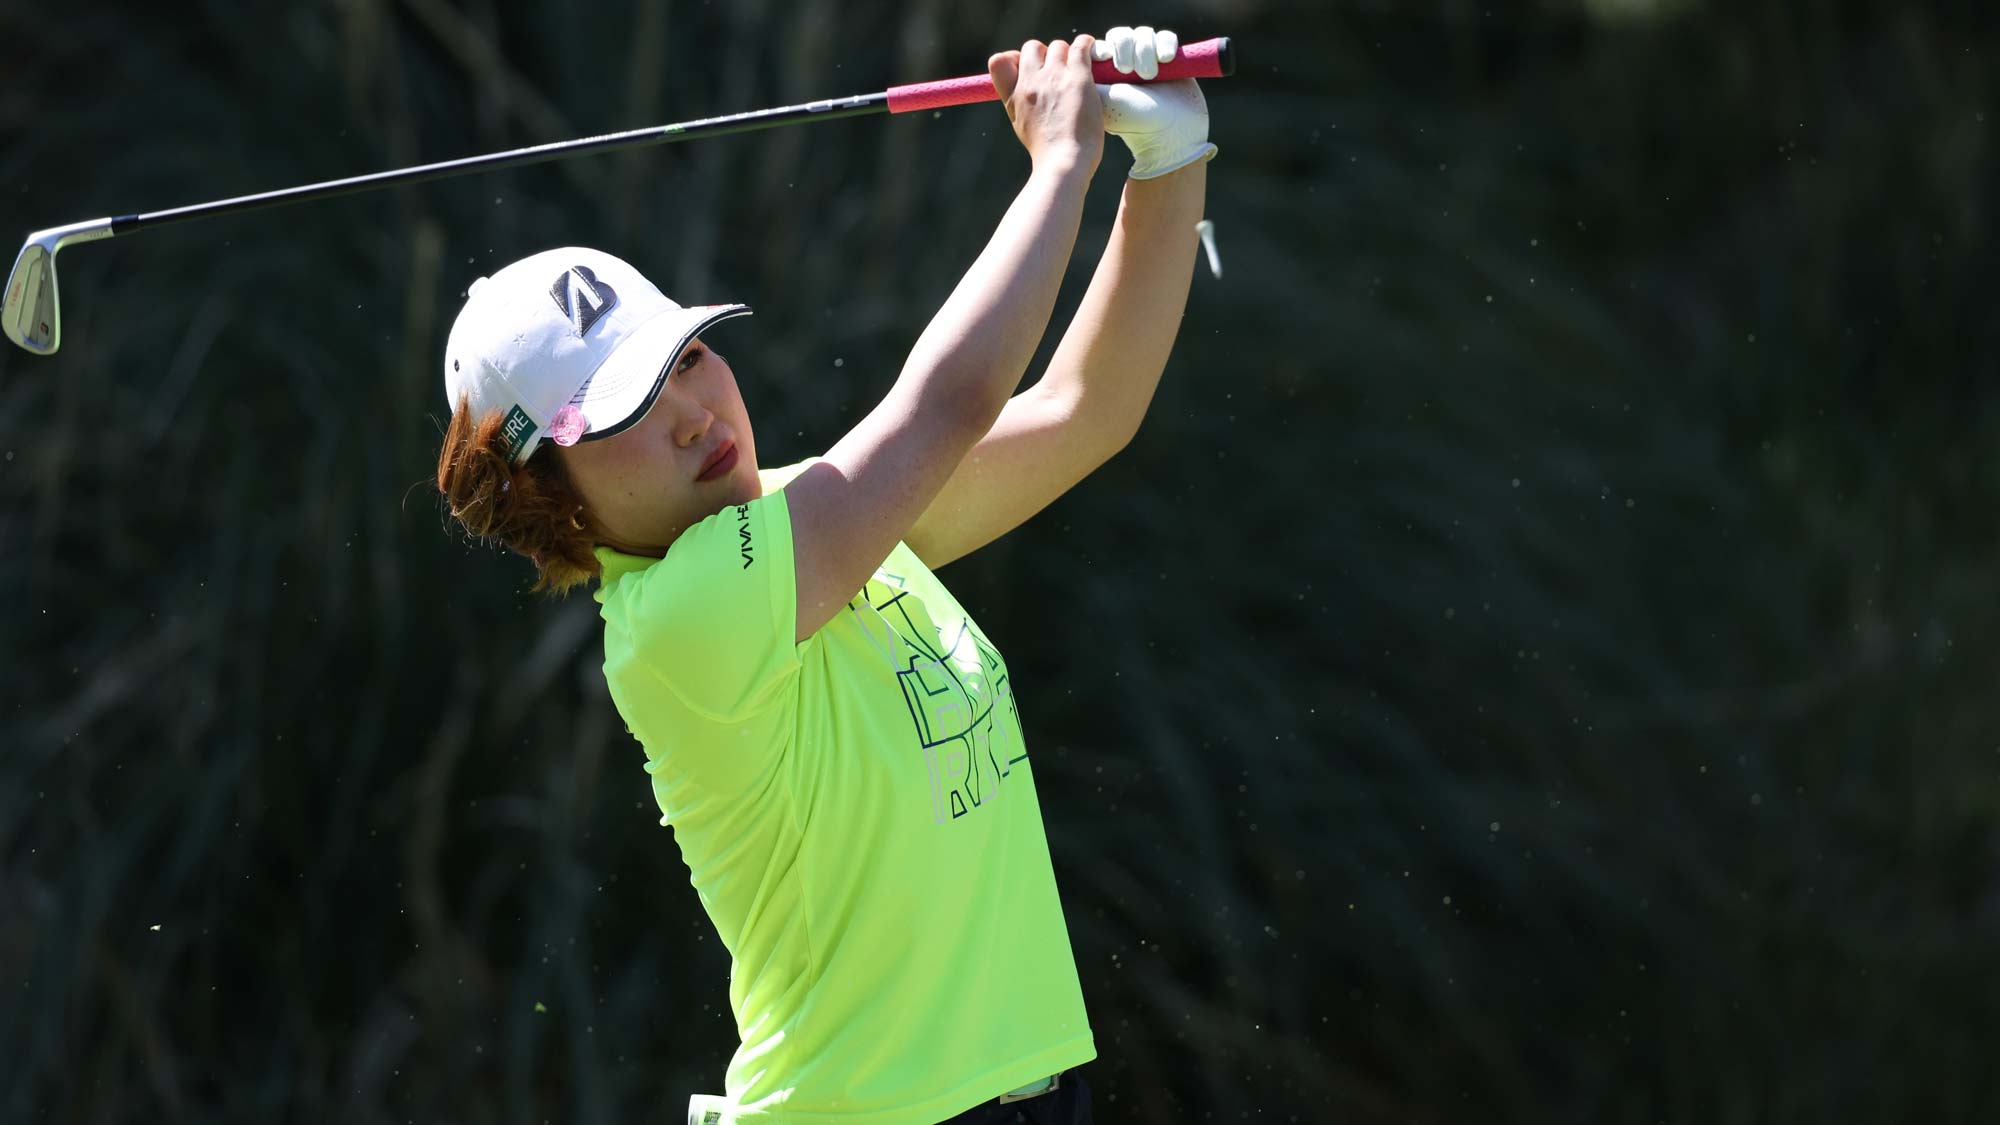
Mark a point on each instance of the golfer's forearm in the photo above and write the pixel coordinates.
(972, 355)
(1111, 356)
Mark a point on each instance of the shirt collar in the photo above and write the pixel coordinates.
(615, 565)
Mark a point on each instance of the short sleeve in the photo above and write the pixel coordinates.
(715, 620)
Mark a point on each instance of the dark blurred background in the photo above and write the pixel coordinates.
(1536, 663)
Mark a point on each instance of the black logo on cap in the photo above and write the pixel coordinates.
(582, 298)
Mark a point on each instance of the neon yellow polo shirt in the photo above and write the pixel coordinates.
(857, 815)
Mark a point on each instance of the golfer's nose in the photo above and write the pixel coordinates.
(688, 418)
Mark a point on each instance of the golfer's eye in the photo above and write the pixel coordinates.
(689, 358)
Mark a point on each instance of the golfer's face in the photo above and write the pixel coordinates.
(642, 484)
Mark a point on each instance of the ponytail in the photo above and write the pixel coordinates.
(531, 509)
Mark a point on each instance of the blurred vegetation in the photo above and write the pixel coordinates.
(1535, 664)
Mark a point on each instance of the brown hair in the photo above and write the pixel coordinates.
(532, 509)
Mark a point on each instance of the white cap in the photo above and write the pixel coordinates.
(569, 344)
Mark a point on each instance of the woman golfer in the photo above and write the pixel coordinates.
(831, 737)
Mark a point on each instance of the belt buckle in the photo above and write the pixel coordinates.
(1055, 1083)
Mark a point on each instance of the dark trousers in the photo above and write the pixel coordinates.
(1069, 1105)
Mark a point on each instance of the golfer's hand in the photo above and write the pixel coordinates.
(1165, 124)
(1052, 100)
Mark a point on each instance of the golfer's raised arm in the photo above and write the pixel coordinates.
(849, 511)
(1111, 357)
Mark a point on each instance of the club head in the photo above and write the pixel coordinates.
(32, 313)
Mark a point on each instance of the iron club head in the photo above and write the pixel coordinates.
(32, 312)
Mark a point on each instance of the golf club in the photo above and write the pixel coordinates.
(32, 313)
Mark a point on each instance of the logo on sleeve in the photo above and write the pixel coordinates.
(582, 298)
(743, 532)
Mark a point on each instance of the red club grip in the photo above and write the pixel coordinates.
(1210, 58)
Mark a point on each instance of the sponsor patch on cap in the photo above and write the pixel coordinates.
(582, 297)
(516, 430)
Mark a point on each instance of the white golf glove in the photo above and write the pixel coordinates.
(1165, 124)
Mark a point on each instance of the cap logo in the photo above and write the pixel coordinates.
(515, 429)
(582, 298)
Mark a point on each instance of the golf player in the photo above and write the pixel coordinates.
(833, 740)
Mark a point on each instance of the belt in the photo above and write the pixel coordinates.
(714, 1109)
(1037, 1087)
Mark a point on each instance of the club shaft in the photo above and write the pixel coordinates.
(31, 313)
(1210, 58)
(857, 106)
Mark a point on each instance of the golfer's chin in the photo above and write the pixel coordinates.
(739, 485)
(654, 541)
(716, 500)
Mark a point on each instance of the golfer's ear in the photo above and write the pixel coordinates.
(1005, 68)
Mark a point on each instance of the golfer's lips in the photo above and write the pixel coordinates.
(719, 462)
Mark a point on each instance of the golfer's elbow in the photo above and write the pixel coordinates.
(1106, 405)
(1115, 439)
(968, 386)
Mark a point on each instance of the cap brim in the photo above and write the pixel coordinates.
(621, 390)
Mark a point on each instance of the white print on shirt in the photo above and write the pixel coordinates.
(956, 689)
